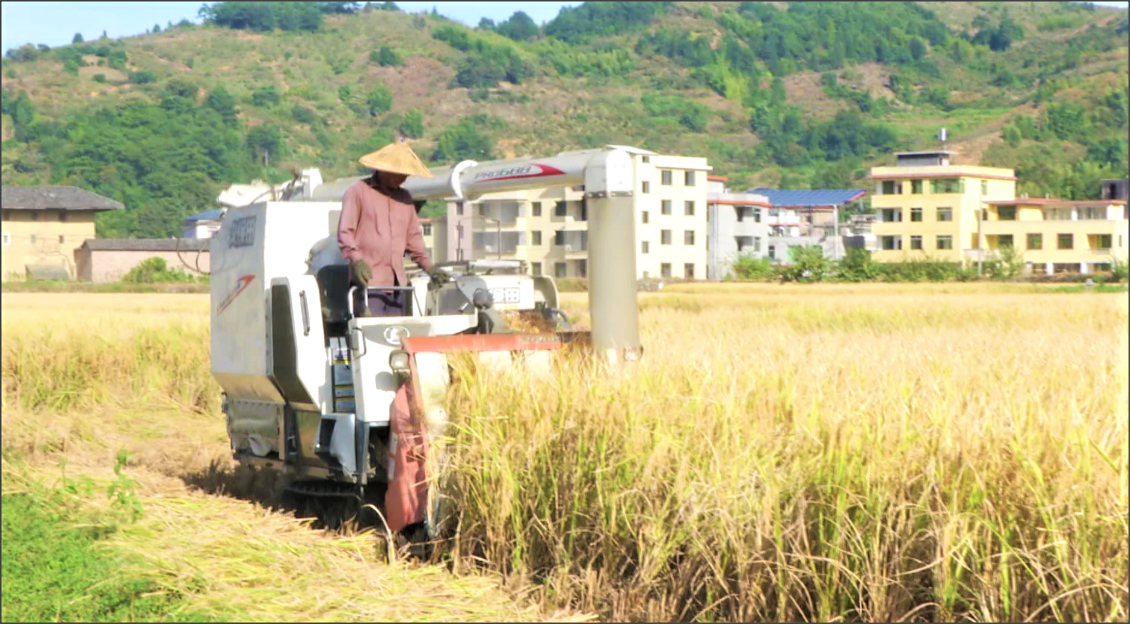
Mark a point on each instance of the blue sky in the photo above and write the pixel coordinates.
(55, 23)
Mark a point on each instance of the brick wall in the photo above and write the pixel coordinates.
(110, 266)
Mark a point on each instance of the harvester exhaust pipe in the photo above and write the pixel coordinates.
(609, 185)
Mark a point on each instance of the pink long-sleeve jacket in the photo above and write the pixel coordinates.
(377, 225)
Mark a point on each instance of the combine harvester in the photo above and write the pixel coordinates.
(352, 406)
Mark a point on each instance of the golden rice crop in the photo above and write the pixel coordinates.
(875, 452)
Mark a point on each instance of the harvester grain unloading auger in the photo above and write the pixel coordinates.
(347, 404)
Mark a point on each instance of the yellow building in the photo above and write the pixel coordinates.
(926, 207)
(1057, 236)
(548, 228)
(43, 227)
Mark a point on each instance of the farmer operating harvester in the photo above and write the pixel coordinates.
(333, 359)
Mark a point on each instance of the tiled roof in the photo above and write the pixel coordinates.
(54, 198)
(807, 198)
(145, 244)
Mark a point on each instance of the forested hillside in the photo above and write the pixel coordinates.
(794, 95)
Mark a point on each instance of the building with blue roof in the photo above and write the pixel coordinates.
(790, 218)
(202, 224)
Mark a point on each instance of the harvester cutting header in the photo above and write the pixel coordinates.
(333, 361)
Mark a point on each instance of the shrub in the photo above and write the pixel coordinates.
(808, 265)
(413, 124)
(748, 266)
(154, 270)
(142, 77)
(303, 115)
(379, 100)
(266, 96)
(857, 266)
(99, 77)
(1119, 270)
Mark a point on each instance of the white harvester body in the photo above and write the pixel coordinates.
(336, 398)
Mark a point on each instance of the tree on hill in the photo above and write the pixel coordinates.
(595, 19)
(77, 38)
(520, 27)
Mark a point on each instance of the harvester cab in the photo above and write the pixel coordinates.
(352, 405)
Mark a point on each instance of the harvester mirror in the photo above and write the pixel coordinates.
(398, 362)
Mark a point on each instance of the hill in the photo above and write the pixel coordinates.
(784, 94)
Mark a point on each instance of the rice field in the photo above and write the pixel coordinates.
(782, 453)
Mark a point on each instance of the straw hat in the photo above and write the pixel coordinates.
(396, 158)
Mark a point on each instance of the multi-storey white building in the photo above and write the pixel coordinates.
(738, 224)
(548, 228)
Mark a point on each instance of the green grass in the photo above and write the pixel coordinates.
(55, 569)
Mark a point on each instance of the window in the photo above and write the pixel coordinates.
(665, 269)
(644, 247)
(890, 243)
(916, 214)
(664, 237)
(947, 185)
(1035, 241)
(459, 208)
(757, 244)
(62, 216)
(891, 215)
(688, 178)
(666, 207)
(916, 187)
(537, 209)
(665, 178)
(646, 186)
(945, 242)
(536, 266)
(1005, 240)
(688, 270)
(945, 214)
(984, 187)
(584, 210)
(646, 159)
(916, 242)
(559, 237)
(61, 239)
(1006, 213)
(1103, 241)
(558, 269)
(757, 215)
(688, 237)
(688, 208)
(561, 209)
(1066, 241)
(427, 228)
(644, 217)
(537, 237)
(7, 238)
(582, 268)
(772, 251)
(484, 209)
(34, 215)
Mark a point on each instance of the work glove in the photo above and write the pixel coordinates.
(438, 276)
(361, 273)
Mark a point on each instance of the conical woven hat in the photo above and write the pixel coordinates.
(396, 158)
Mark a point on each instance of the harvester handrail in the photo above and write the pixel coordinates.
(369, 289)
